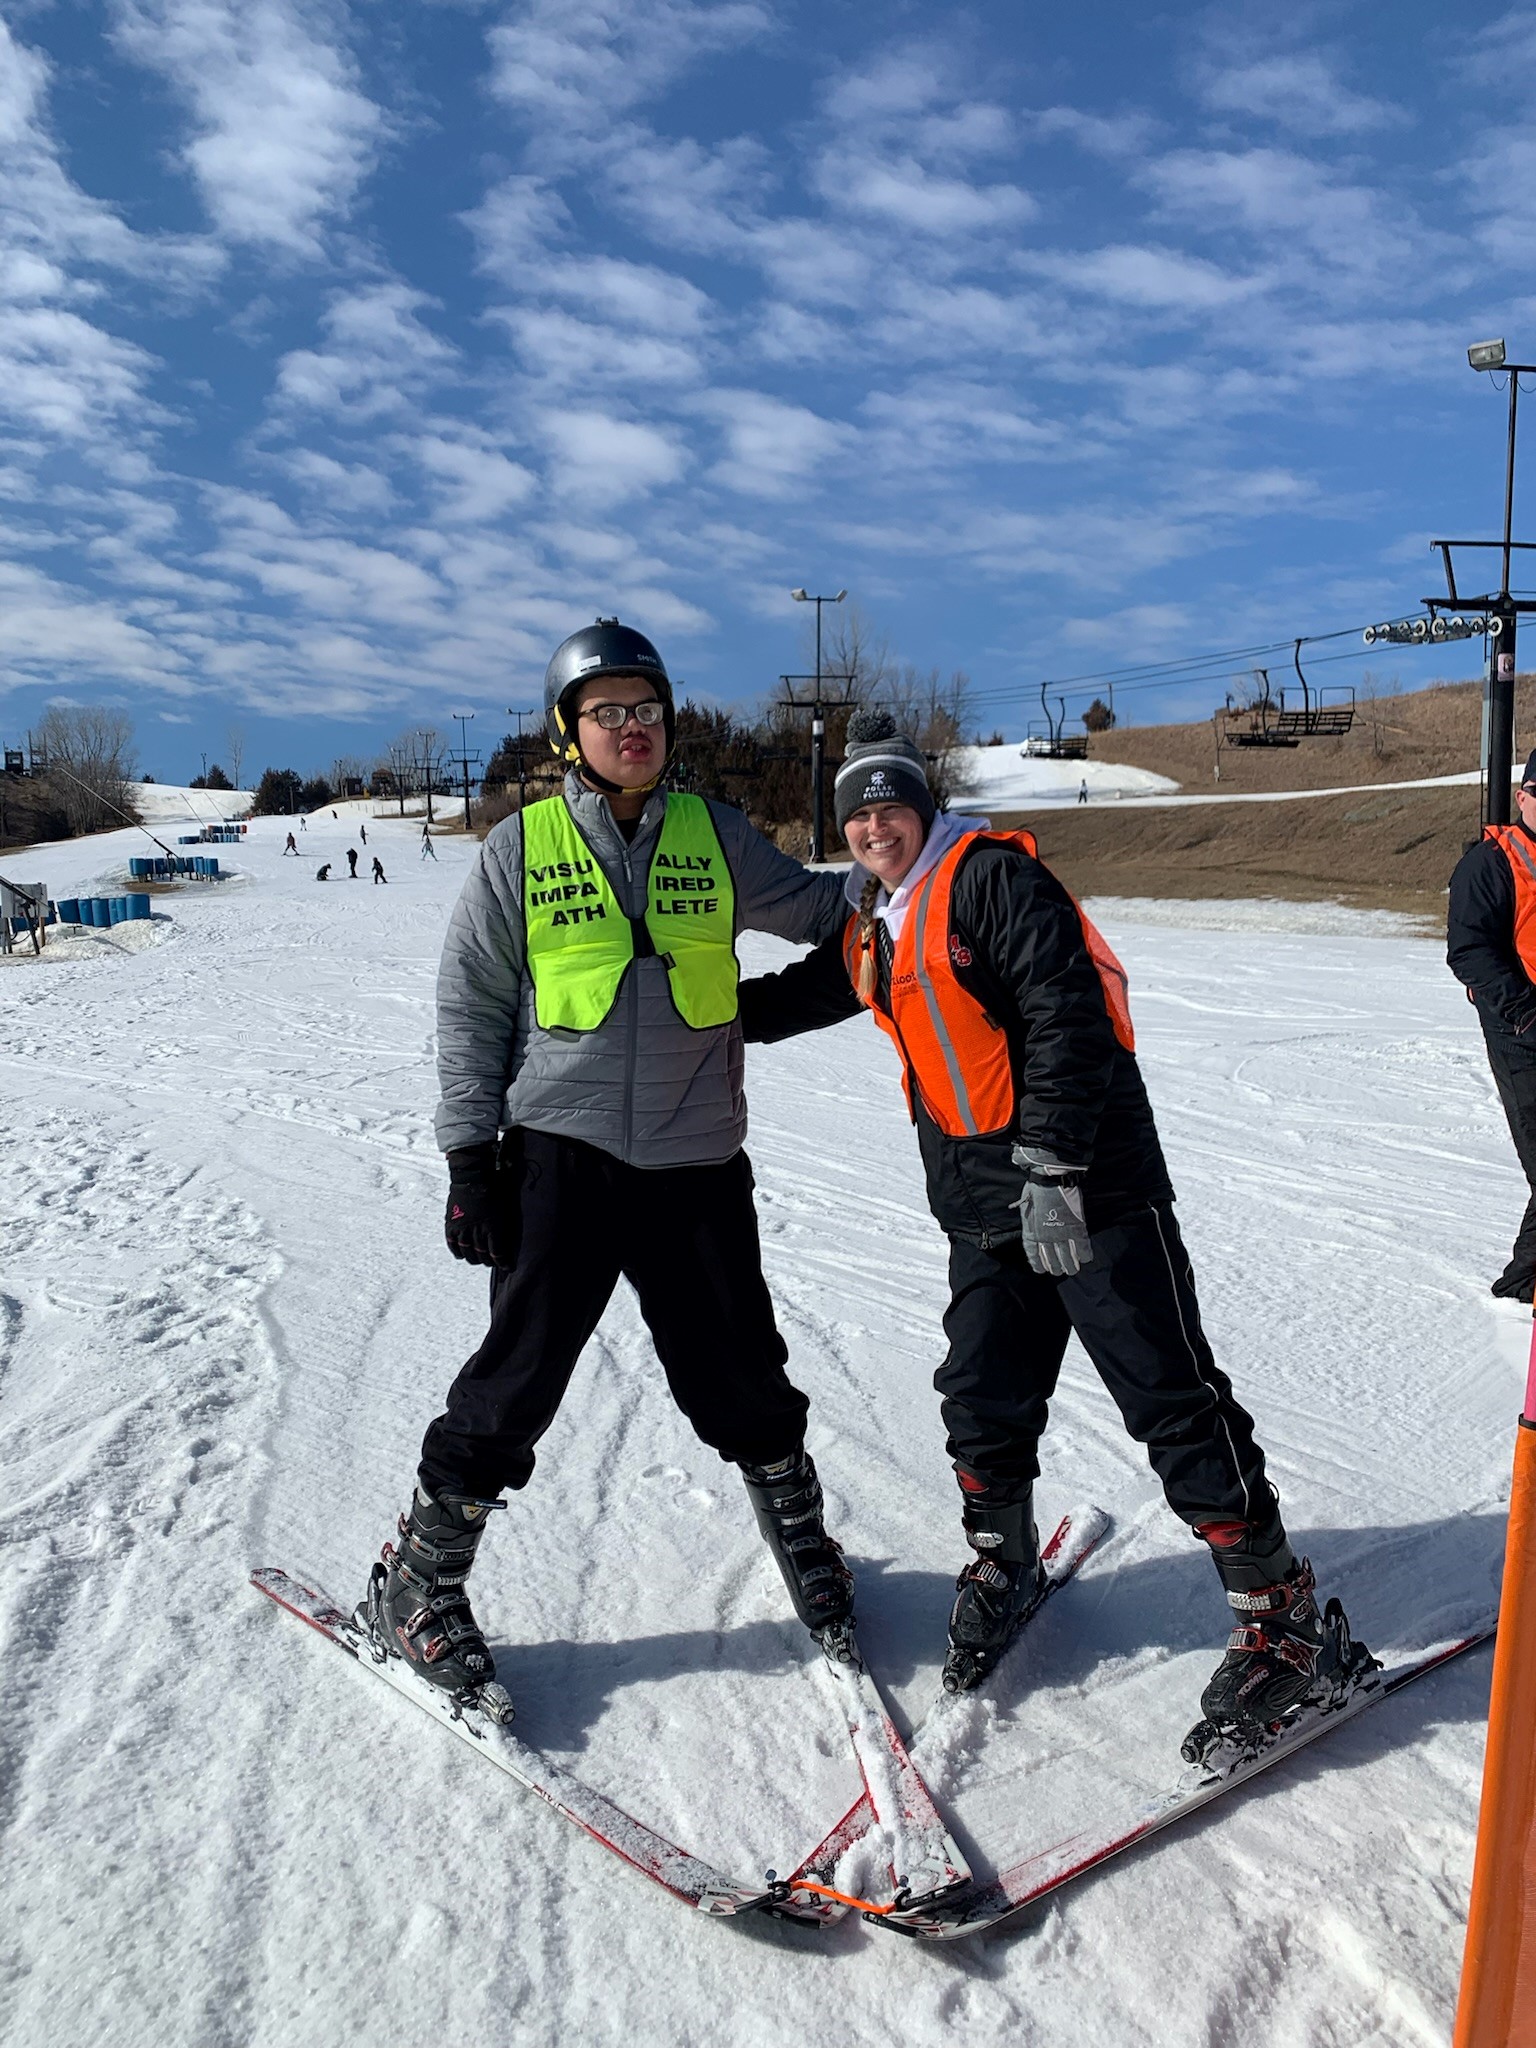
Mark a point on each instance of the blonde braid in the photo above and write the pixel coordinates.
(865, 984)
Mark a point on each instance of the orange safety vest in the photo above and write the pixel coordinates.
(953, 1054)
(1521, 855)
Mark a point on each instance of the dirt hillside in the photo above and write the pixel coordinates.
(1380, 849)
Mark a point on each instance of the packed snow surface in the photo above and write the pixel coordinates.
(166, 803)
(226, 1314)
(1003, 778)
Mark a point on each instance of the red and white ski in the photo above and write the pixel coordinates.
(1036, 1876)
(924, 1858)
(685, 1876)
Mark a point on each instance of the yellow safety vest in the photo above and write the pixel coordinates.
(581, 941)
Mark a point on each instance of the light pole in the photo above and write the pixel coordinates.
(462, 720)
(818, 730)
(427, 762)
(1499, 691)
(522, 772)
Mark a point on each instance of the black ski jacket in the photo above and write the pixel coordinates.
(1480, 939)
(1081, 1095)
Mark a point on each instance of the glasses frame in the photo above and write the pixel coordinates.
(652, 705)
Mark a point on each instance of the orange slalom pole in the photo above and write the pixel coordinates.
(1497, 2008)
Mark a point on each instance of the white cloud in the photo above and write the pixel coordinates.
(595, 455)
(70, 380)
(1297, 90)
(901, 190)
(378, 354)
(578, 63)
(1289, 202)
(947, 422)
(685, 194)
(772, 447)
(897, 84)
(560, 349)
(284, 134)
(49, 221)
(328, 576)
(474, 481)
(51, 626)
(345, 488)
(1108, 135)
(1151, 629)
(636, 294)
(515, 222)
(1153, 278)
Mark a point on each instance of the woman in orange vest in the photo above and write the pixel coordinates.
(1491, 949)
(1009, 1014)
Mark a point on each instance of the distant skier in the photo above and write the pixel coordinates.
(292, 846)
(363, 833)
(1044, 1169)
(378, 870)
(1082, 791)
(428, 850)
(572, 1172)
(323, 874)
(1491, 947)
(352, 862)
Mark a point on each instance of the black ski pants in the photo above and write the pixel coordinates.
(1513, 1061)
(685, 1238)
(1135, 1312)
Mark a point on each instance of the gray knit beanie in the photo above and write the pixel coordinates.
(883, 766)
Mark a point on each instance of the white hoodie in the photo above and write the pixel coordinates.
(892, 906)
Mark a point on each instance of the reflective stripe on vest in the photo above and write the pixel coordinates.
(1521, 855)
(954, 1055)
(580, 941)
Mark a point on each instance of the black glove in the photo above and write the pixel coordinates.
(481, 1222)
(1056, 1239)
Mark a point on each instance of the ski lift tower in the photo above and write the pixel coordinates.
(1498, 747)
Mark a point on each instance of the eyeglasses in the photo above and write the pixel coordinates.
(649, 711)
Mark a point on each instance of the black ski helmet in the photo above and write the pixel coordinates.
(603, 649)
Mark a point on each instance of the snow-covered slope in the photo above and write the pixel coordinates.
(1003, 778)
(163, 803)
(226, 1314)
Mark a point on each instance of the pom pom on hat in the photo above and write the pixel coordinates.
(870, 722)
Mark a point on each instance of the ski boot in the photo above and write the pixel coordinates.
(786, 1499)
(997, 1593)
(1282, 1658)
(416, 1607)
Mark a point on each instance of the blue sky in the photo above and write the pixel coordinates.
(351, 357)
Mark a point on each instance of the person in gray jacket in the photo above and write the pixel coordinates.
(592, 1114)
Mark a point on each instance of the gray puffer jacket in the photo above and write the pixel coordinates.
(643, 1086)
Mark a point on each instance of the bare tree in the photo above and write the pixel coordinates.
(850, 647)
(234, 742)
(937, 714)
(91, 757)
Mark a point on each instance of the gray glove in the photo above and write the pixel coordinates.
(1056, 1239)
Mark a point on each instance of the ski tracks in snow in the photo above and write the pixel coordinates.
(138, 1387)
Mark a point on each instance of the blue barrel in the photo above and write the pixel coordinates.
(213, 871)
(69, 909)
(138, 906)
